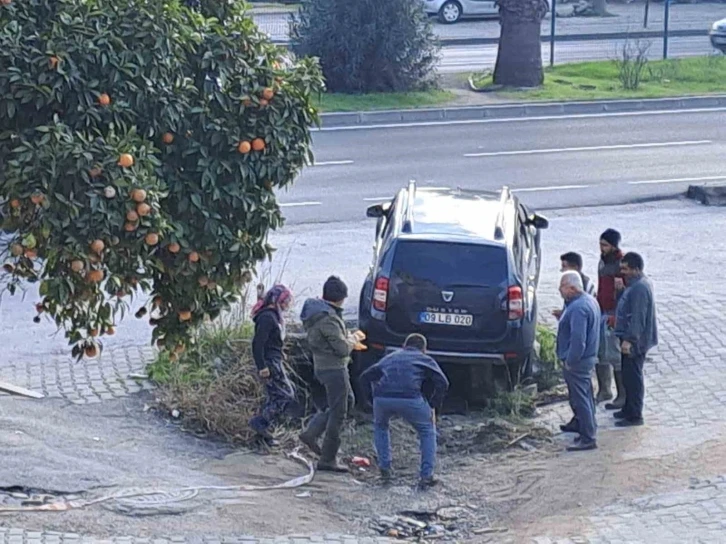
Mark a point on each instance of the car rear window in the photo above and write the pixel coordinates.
(451, 263)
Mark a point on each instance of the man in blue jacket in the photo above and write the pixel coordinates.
(636, 326)
(578, 341)
(411, 385)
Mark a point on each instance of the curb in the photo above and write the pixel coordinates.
(516, 111)
(585, 37)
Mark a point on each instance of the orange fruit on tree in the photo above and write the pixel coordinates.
(212, 285)
(126, 160)
(15, 203)
(151, 239)
(77, 266)
(158, 301)
(168, 138)
(95, 276)
(267, 94)
(31, 254)
(143, 209)
(97, 246)
(130, 227)
(132, 216)
(244, 147)
(91, 351)
(174, 247)
(264, 102)
(110, 331)
(104, 100)
(16, 250)
(185, 315)
(6, 2)
(138, 195)
(53, 62)
(193, 257)
(37, 198)
(258, 144)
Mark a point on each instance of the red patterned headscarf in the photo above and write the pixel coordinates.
(276, 297)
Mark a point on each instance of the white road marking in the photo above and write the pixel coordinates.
(299, 204)
(518, 119)
(331, 163)
(589, 148)
(676, 180)
(551, 188)
(378, 199)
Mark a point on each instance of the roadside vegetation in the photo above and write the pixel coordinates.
(620, 79)
(339, 102)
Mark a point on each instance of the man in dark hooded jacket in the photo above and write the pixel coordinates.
(408, 384)
(331, 345)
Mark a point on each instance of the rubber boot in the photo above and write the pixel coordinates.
(604, 383)
(619, 401)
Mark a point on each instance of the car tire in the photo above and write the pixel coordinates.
(450, 12)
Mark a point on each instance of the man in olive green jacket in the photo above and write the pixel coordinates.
(331, 345)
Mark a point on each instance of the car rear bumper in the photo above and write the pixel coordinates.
(718, 39)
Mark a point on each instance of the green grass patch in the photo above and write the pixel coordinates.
(601, 80)
(335, 102)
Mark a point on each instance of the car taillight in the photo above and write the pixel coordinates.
(380, 295)
(515, 302)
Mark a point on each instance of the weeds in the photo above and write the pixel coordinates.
(549, 372)
(632, 63)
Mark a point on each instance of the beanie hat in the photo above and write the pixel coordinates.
(334, 289)
(612, 237)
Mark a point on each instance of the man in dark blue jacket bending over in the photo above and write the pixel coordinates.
(411, 385)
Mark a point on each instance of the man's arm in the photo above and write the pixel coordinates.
(639, 306)
(340, 343)
(578, 336)
(440, 384)
(370, 375)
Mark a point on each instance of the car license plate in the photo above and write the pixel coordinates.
(436, 318)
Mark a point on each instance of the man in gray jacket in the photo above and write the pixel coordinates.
(637, 328)
(578, 340)
(331, 344)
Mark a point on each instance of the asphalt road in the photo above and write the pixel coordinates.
(467, 58)
(551, 163)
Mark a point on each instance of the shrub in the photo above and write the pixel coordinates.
(367, 45)
(140, 146)
(549, 370)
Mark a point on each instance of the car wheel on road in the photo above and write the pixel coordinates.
(450, 12)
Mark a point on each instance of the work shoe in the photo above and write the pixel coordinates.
(604, 383)
(619, 401)
(425, 484)
(630, 422)
(333, 467)
(581, 445)
(572, 427)
(310, 443)
(386, 476)
(621, 414)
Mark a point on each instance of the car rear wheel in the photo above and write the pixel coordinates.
(450, 12)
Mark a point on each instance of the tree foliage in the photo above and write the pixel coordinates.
(367, 45)
(140, 146)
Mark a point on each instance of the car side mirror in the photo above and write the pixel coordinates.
(375, 212)
(538, 221)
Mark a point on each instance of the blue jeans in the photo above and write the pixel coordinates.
(418, 414)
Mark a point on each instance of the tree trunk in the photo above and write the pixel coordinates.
(599, 7)
(519, 58)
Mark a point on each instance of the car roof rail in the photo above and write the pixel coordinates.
(408, 214)
(499, 225)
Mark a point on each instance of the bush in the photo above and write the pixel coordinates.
(140, 146)
(549, 371)
(367, 45)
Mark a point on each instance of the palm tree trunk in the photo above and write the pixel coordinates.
(519, 59)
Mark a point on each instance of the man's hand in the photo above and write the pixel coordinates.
(557, 313)
(265, 373)
(359, 335)
(611, 321)
(626, 347)
(619, 284)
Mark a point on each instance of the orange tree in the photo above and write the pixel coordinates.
(140, 146)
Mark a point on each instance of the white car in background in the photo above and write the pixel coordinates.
(451, 11)
(718, 35)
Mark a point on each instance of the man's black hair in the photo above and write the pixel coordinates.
(416, 341)
(572, 258)
(634, 261)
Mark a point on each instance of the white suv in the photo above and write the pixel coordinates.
(450, 11)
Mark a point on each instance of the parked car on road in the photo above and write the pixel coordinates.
(451, 11)
(718, 35)
(460, 267)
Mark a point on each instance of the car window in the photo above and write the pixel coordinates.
(451, 263)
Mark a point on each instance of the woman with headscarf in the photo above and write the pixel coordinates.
(267, 346)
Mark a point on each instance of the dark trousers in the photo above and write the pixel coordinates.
(634, 383)
(279, 393)
(340, 401)
(582, 402)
